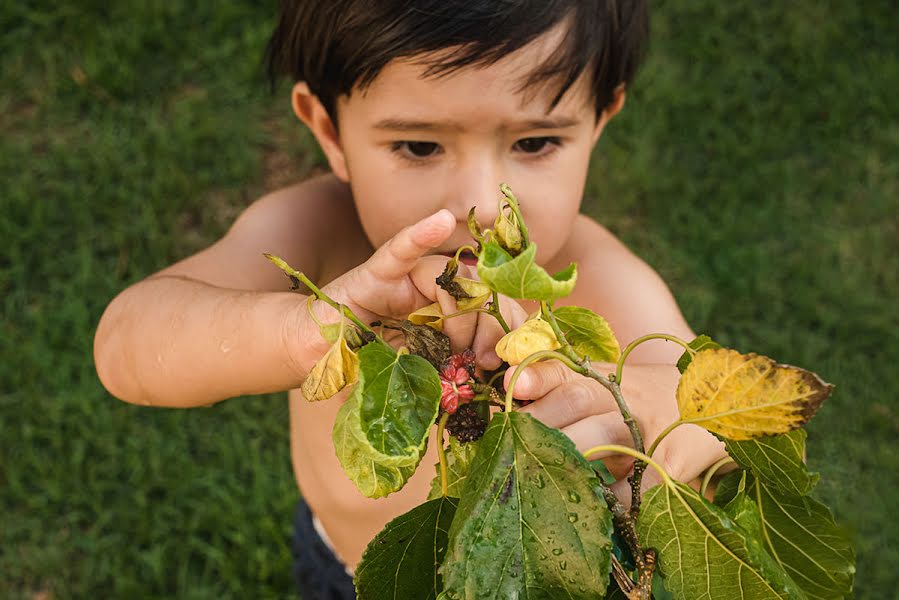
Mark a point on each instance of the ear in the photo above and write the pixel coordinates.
(309, 109)
(611, 109)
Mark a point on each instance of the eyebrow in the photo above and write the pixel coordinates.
(402, 124)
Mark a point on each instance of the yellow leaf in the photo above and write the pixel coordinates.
(478, 291)
(429, 315)
(745, 396)
(533, 336)
(338, 368)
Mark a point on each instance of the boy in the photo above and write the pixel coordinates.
(421, 109)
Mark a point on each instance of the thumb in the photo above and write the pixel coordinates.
(395, 259)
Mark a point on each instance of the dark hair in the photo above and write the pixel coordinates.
(338, 45)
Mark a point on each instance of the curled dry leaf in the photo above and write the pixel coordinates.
(745, 396)
(508, 231)
(338, 368)
(533, 336)
(429, 315)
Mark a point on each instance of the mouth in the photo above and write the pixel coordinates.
(465, 257)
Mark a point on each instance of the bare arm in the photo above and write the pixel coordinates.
(216, 324)
(628, 293)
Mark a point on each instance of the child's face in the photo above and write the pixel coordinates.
(409, 146)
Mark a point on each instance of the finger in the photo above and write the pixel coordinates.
(396, 258)
(489, 331)
(598, 430)
(571, 402)
(460, 329)
(688, 451)
(538, 379)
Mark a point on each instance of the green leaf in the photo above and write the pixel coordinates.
(777, 461)
(703, 342)
(588, 333)
(375, 474)
(521, 277)
(402, 560)
(728, 487)
(530, 523)
(703, 553)
(399, 402)
(744, 511)
(458, 462)
(801, 535)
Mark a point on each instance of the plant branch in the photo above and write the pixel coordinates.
(626, 526)
(494, 310)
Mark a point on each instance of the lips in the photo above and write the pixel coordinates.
(465, 257)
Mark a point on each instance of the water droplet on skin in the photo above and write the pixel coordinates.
(572, 517)
(225, 346)
(573, 496)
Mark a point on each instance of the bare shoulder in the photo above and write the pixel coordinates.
(623, 288)
(298, 223)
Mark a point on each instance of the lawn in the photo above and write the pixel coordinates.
(755, 165)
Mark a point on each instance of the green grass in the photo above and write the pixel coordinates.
(754, 166)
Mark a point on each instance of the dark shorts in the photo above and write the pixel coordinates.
(318, 572)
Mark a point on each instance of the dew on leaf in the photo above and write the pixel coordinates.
(557, 551)
(572, 517)
(574, 497)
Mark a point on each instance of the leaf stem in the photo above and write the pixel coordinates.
(662, 435)
(441, 453)
(630, 452)
(494, 310)
(531, 359)
(652, 336)
(467, 311)
(711, 473)
(342, 309)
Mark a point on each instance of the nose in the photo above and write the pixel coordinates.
(476, 185)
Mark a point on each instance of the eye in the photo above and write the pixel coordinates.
(536, 145)
(416, 149)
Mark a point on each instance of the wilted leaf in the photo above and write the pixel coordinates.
(331, 333)
(375, 474)
(703, 342)
(430, 315)
(741, 397)
(588, 333)
(399, 401)
(521, 277)
(508, 233)
(703, 553)
(459, 457)
(530, 523)
(338, 368)
(801, 535)
(402, 560)
(776, 460)
(477, 292)
(533, 336)
(427, 342)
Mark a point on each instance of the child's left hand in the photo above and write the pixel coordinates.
(587, 413)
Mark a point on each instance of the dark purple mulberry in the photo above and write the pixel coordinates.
(466, 425)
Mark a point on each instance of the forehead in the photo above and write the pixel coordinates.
(407, 88)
